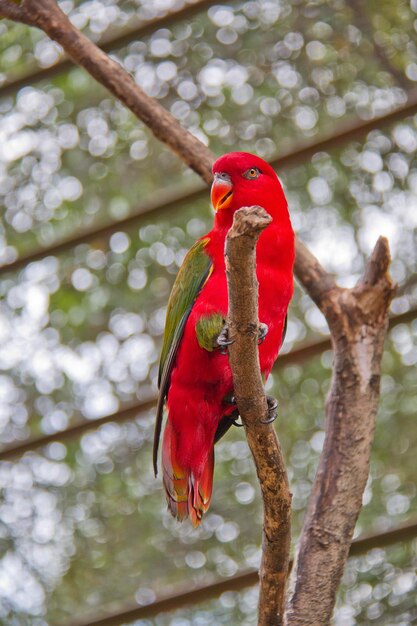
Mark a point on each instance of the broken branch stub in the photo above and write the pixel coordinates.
(243, 324)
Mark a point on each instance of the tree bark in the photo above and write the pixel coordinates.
(358, 320)
(248, 223)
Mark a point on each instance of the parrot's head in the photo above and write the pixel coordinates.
(244, 179)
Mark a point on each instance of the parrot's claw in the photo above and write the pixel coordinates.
(223, 339)
(235, 415)
(272, 410)
(234, 421)
(262, 332)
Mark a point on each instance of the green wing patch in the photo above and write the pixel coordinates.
(207, 329)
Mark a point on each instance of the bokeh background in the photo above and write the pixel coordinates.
(96, 217)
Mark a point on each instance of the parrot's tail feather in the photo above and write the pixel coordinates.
(199, 494)
(187, 495)
(175, 478)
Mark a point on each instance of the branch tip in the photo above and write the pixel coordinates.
(249, 220)
(376, 268)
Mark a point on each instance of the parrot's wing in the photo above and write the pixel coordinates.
(193, 273)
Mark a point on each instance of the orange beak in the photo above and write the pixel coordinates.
(221, 192)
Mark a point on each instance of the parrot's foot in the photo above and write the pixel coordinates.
(223, 339)
(262, 332)
(272, 410)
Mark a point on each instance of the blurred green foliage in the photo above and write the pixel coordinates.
(83, 526)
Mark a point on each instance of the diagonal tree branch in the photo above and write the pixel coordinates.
(248, 223)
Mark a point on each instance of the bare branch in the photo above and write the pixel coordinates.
(377, 264)
(358, 320)
(249, 392)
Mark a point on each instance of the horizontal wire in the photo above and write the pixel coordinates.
(170, 200)
(205, 593)
(298, 355)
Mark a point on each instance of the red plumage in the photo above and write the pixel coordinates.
(200, 381)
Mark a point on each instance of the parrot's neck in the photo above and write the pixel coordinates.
(278, 210)
(276, 243)
(223, 221)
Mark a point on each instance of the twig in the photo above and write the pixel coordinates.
(241, 241)
(358, 320)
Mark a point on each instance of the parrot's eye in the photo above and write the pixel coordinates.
(252, 173)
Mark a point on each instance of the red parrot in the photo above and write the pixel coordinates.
(195, 379)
